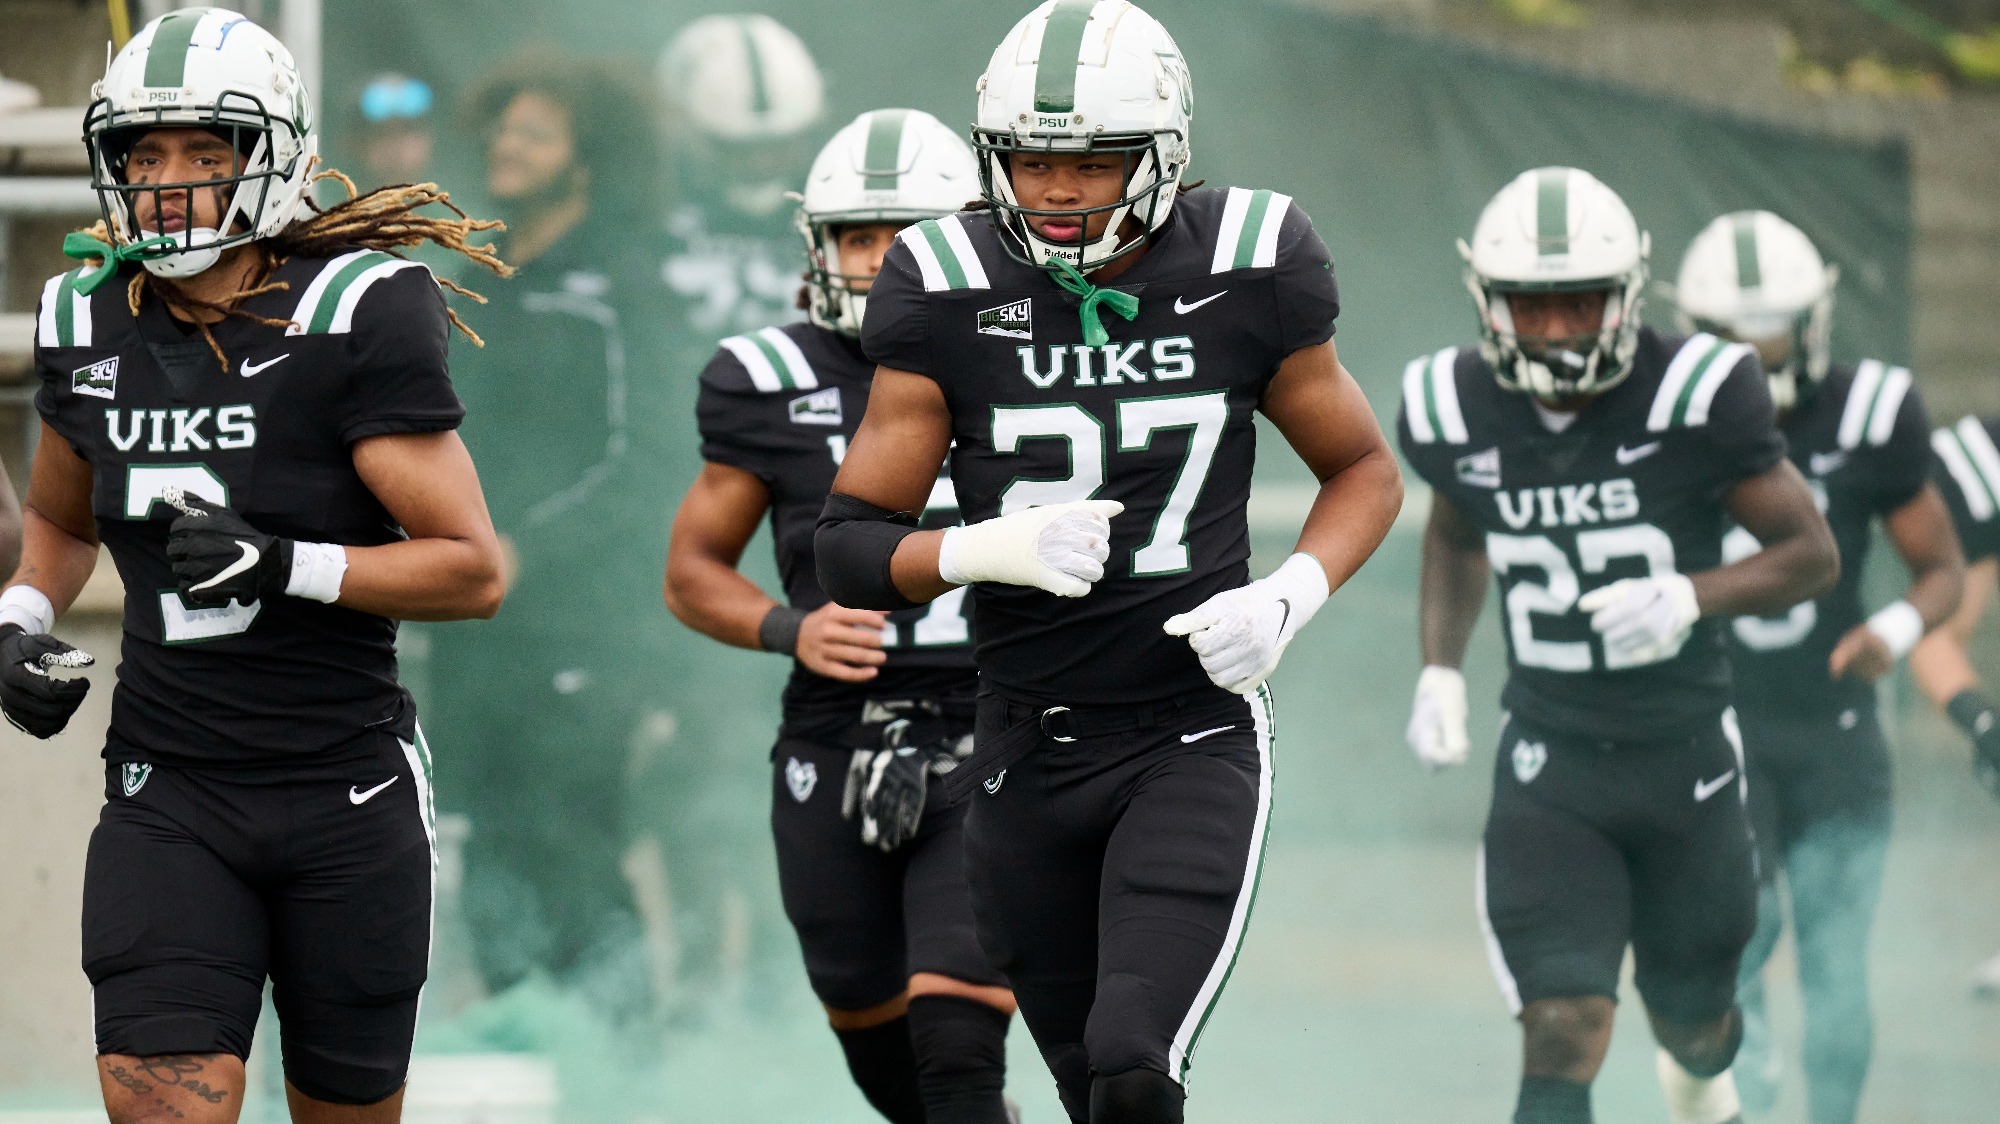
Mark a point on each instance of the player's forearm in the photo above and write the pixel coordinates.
(1453, 591)
(1939, 666)
(710, 596)
(1798, 567)
(428, 579)
(914, 567)
(1352, 515)
(1922, 533)
(53, 561)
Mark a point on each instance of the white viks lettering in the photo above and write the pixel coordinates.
(187, 430)
(1118, 368)
(1084, 375)
(1041, 381)
(236, 428)
(1576, 503)
(1173, 358)
(1548, 498)
(1619, 499)
(1516, 518)
(157, 443)
(123, 442)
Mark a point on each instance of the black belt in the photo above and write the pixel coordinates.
(1067, 724)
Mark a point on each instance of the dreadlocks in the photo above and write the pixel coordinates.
(385, 219)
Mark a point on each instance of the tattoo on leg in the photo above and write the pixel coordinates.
(174, 1071)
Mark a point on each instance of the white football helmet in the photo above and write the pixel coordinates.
(1754, 277)
(742, 77)
(887, 165)
(210, 69)
(1086, 76)
(1557, 230)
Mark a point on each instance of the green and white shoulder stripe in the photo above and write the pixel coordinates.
(327, 306)
(65, 319)
(1873, 403)
(1249, 235)
(1697, 371)
(945, 255)
(1430, 399)
(773, 359)
(1968, 454)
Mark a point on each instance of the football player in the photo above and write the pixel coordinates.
(245, 400)
(1814, 752)
(879, 706)
(1967, 471)
(1591, 463)
(1091, 349)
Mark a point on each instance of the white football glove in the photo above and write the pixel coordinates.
(1437, 720)
(1240, 633)
(1642, 620)
(1060, 548)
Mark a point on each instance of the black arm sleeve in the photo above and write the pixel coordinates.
(853, 546)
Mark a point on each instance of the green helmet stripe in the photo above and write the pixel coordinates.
(1552, 211)
(1062, 52)
(882, 162)
(1749, 272)
(166, 56)
(753, 60)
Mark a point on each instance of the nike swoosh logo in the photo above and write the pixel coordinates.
(249, 559)
(1181, 306)
(1629, 456)
(1823, 463)
(250, 368)
(1190, 739)
(1705, 789)
(1287, 618)
(356, 796)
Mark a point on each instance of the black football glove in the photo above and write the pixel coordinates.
(219, 558)
(32, 699)
(886, 788)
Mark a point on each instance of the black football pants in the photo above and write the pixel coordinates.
(1112, 878)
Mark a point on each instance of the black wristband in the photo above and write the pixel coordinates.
(1972, 711)
(854, 544)
(779, 630)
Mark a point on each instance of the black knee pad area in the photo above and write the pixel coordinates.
(1706, 1063)
(1136, 1096)
(343, 1053)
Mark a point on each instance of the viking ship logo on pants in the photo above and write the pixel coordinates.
(134, 777)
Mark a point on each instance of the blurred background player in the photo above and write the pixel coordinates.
(1805, 679)
(1572, 445)
(397, 134)
(268, 805)
(1967, 472)
(565, 415)
(879, 705)
(1122, 783)
(744, 98)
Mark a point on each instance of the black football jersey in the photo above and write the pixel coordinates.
(1633, 486)
(1862, 441)
(1159, 419)
(281, 680)
(782, 404)
(1966, 466)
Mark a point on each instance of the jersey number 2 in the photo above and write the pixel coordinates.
(1558, 595)
(1203, 415)
(179, 623)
